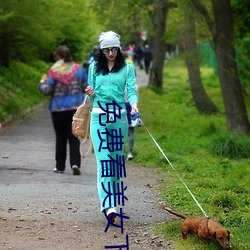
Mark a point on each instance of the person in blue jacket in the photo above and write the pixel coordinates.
(65, 83)
(108, 78)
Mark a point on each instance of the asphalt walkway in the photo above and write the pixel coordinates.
(31, 190)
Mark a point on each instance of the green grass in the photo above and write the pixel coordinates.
(214, 164)
(19, 88)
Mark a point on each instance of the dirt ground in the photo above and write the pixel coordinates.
(40, 209)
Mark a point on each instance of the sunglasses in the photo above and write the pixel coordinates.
(106, 51)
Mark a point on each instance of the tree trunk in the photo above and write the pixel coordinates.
(201, 99)
(223, 38)
(159, 47)
(235, 109)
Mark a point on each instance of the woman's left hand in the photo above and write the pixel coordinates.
(134, 109)
(43, 79)
(90, 91)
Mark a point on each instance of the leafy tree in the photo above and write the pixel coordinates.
(221, 28)
(175, 24)
(21, 34)
(126, 17)
(156, 72)
(242, 33)
(78, 29)
(241, 18)
(28, 33)
(201, 99)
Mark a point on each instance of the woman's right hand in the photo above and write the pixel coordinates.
(90, 91)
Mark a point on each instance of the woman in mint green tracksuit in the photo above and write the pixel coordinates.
(108, 78)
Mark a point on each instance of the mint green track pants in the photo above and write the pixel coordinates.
(104, 152)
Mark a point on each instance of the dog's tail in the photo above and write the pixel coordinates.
(175, 213)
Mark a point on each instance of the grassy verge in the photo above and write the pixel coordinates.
(19, 88)
(212, 163)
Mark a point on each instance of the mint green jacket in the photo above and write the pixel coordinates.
(113, 86)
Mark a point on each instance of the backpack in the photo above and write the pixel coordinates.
(81, 125)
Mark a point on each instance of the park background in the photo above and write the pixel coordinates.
(201, 136)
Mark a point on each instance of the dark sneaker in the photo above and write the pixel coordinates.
(76, 170)
(58, 171)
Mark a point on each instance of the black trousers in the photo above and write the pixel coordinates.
(62, 122)
(147, 65)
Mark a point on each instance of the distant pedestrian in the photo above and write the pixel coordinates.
(65, 84)
(93, 55)
(138, 55)
(147, 54)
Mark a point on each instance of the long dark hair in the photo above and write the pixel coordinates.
(102, 67)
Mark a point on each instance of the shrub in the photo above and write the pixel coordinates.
(231, 146)
(223, 200)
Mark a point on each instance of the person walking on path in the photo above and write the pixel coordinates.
(108, 78)
(65, 84)
(147, 54)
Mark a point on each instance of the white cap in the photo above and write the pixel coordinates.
(109, 39)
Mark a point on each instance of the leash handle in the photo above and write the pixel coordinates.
(174, 170)
(90, 149)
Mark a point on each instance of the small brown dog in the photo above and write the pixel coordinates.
(204, 229)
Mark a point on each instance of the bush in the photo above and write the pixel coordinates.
(19, 88)
(224, 200)
(231, 146)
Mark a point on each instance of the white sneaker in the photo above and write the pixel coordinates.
(58, 171)
(129, 156)
(111, 210)
(110, 214)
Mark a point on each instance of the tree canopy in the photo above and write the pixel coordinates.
(27, 32)
(32, 30)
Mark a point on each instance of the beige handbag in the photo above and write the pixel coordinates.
(81, 125)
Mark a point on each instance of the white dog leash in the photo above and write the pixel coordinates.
(174, 170)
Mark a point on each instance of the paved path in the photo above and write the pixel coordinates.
(141, 78)
(30, 192)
